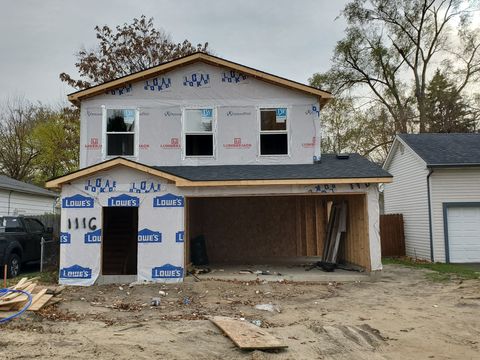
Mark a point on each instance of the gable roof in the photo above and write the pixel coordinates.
(10, 184)
(355, 169)
(445, 150)
(76, 97)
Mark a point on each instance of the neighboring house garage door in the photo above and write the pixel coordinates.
(463, 233)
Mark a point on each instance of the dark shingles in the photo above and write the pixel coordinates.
(8, 183)
(445, 149)
(330, 167)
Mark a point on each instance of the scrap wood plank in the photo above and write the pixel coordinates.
(37, 297)
(15, 295)
(246, 335)
(21, 282)
(40, 303)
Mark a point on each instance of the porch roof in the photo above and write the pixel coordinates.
(331, 167)
(331, 170)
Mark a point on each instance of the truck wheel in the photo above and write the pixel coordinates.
(13, 265)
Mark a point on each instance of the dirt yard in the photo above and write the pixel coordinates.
(403, 315)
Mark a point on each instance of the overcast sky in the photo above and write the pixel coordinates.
(289, 38)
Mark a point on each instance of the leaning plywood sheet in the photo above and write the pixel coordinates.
(247, 336)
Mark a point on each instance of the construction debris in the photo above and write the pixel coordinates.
(268, 307)
(246, 335)
(32, 294)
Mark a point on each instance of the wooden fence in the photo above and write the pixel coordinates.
(392, 235)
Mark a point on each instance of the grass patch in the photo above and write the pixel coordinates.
(45, 277)
(443, 272)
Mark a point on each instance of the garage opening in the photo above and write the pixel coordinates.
(268, 229)
(119, 241)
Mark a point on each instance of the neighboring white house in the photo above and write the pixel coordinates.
(437, 189)
(20, 198)
(202, 147)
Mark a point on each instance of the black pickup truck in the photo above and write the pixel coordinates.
(20, 239)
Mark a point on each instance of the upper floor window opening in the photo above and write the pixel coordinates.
(199, 137)
(121, 127)
(273, 131)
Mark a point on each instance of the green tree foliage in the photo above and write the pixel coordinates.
(446, 111)
(37, 142)
(126, 49)
(56, 136)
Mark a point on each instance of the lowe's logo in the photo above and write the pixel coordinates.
(77, 201)
(168, 200)
(76, 272)
(149, 236)
(65, 238)
(179, 236)
(167, 271)
(124, 200)
(196, 80)
(94, 237)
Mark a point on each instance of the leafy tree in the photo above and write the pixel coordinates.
(37, 142)
(391, 46)
(126, 49)
(56, 136)
(17, 152)
(446, 110)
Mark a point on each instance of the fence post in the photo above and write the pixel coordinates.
(42, 244)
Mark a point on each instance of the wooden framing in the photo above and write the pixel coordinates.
(189, 183)
(275, 227)
(56, 183)
(76, 97)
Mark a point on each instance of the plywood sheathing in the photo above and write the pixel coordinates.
(254, 229)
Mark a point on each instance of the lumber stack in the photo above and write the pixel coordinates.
(41, 296)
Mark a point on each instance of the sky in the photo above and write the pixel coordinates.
(38, 40)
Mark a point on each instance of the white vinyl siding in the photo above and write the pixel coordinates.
(450, 185)
(25, 204)
(407, 195)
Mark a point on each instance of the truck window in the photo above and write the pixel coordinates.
(10, 224)
(34, 225)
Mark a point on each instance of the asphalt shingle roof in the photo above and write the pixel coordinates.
(445, 149)
(330, 167)
(8, 183)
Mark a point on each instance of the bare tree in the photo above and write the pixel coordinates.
(392, 48)
(17, 152)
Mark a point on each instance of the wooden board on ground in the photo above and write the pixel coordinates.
(40, 303)
(37, 296)
(246, 335)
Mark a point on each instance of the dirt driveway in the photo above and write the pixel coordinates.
(403, 315)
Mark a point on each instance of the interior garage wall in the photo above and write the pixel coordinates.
(259, 228)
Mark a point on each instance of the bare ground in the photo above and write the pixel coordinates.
(404, 315)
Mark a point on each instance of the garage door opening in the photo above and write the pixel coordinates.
(119, 241)
(275, 229)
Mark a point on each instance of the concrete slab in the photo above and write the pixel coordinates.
(115, 279)
(279, 272)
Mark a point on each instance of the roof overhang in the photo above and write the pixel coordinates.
(78, 96)
(182, 182)
(453, 166)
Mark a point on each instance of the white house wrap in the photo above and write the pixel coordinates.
(205, 152)
(160, 223)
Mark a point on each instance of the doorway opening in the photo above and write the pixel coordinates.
(119, 243)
